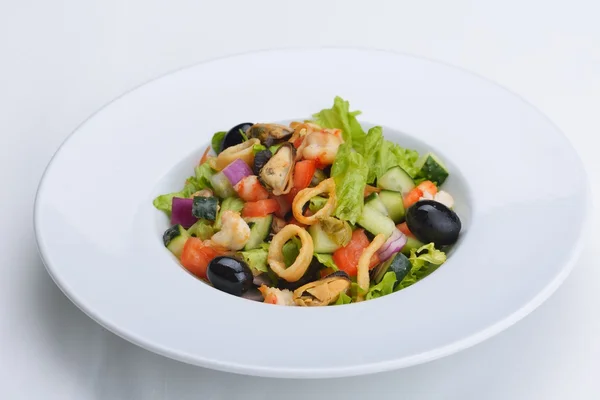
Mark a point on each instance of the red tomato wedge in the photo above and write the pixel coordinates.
(303, 173)
(196, 255)
(404, 229)
(260, 208)
(284, 206)
(347, 257)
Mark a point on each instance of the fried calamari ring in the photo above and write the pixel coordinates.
(362, 277)
(275, 255)
(243, 151)
(327, 186)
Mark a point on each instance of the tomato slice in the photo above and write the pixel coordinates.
(347, 257)
(196, 256)
(303, 173)
(260, 208)
(403, 227)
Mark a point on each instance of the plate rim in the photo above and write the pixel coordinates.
(432, 354)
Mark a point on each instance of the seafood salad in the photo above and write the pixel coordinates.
(314, 213)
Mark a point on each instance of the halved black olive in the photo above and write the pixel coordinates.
(234, 136)
(431, 221)
(229, 275)
(260, 159)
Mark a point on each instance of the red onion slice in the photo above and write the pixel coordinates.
(394, 244)
(236, 171)
(181, 212)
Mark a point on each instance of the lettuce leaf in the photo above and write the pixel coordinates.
(256, 259)
(202, 229)
(164, 201)
(326, 260)
(290, 251)
(343, 299)
(203, 174)
(339, 116)
(385, 287)
(216, 141)
(381, 155)
(316, 203)
(405, 158)
(350, 172)
(424, 261)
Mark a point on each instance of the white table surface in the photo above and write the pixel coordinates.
(62, 60)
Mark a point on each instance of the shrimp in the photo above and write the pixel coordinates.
(321, 146)
(234, 233)
(276, 296)
(250, 189)
(203, 193)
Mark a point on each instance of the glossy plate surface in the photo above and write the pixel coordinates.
(520, 187)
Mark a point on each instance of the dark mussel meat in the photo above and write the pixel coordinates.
(276, 174)
(311, 274)
(234, 136)
(270, 134)
(323, 292)
(431, 221)
(230, 275)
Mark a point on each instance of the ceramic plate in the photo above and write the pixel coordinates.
(521, 192)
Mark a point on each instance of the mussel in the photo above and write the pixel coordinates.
(276, 174)
(323, 292)
(270, 134)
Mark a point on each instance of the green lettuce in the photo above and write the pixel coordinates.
(343, 299)
(424, 261)
(326, 260)
(203, 174)
(339, 116)
(405, 158)
(164, 201)
(381, 155)
(290, 251)
(316, 203)
(202, 229)
(216, 141)
(256, 259)
(350, 172)
(385, 287)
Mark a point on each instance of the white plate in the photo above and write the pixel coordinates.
(520, 188)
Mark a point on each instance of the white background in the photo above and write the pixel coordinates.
(62, 60)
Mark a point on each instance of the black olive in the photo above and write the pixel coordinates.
(229, 275)
(431, 221)
(260, 159)
(234, 136)
(311, 274)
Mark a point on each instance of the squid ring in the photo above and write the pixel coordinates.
(242, 151)
(300, 265)
(362, 277)
(303, 196)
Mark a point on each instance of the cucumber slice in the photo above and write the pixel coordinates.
(398, 264)
(174, 239)
(432, 168)
(411, 243)
(201, 229)
(396, 179)
(394, 204)
(375, 222)
(321, 241)
(375, 203)
(205, 207)
(259, 231)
